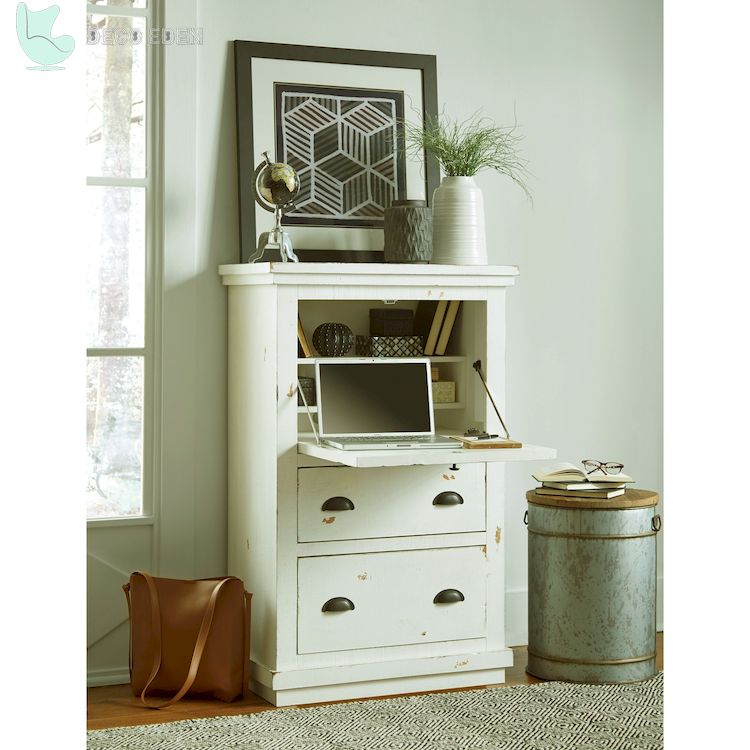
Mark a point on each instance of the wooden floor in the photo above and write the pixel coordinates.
(115, 706)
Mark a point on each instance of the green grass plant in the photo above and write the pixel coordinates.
(466, 147)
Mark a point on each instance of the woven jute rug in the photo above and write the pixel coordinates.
(547, 716)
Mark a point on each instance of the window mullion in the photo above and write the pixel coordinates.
(128, 182)
(116, 10)
(113, 351)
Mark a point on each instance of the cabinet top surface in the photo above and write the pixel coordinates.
(348, 273)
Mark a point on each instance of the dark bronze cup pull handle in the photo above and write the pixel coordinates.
(338, 503)
(338, 604)
(656, 522)
(448, 596)
(448, 498)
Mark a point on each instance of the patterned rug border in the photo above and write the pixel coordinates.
(481, 720)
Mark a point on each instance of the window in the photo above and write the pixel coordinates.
(120, 269)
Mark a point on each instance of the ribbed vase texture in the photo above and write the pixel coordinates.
(458, 236)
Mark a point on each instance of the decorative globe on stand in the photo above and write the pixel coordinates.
(275, 185)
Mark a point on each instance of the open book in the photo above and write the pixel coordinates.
(565, 472)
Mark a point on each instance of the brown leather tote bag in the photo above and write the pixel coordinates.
(188, 637)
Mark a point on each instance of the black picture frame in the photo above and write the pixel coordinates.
(244, 54)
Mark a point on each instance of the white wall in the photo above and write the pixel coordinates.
(585, 341)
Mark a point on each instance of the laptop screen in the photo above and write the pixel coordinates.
(374, 398)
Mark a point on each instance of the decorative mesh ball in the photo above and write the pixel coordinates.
(332, 339)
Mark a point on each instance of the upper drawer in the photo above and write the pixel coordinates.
(398, 501)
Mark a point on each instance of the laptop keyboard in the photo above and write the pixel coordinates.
(400, 438)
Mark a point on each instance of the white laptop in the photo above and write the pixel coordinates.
(376, 403)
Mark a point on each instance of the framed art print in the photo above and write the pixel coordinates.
(336, 116)
(344, 145)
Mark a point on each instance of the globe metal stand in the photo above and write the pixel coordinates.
(274, 193)
(273, 242)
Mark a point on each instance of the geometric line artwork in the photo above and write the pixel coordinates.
(547, 716)
(347, 147)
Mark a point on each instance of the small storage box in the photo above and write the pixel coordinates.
(391, 321)
(444, 392)
(307, 386)
(592, 587)
(389, 346)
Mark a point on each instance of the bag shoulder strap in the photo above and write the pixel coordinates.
(200, 642)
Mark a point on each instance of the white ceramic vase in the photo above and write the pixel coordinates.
(458, 236)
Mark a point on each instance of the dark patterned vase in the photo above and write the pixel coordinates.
(332, 339)
(407, 235)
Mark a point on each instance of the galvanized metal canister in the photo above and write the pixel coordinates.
(592, 587)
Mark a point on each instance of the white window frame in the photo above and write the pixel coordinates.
(152, 184)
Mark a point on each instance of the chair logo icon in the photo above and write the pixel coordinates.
(34, 30)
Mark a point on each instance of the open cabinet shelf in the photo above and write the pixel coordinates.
(310, 361)
(437, 407)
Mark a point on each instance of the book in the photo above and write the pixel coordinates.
(482, 443)
(580, 494)
(582, 486)
(493, 443)
(427, 321)
(445, 331)
(302, 339)
(565, 472)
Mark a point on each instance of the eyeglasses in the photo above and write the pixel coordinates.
(607, 467)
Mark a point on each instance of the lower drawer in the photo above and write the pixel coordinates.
(398, 501)
(388, 598)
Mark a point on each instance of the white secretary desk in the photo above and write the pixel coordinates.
(372, 572)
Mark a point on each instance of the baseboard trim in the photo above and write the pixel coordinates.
(516, 617)
(101, 677)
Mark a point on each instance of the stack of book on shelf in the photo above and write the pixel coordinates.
(567, 480)
(433, 321)
(303, 345)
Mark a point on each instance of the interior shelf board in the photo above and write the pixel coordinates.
(437, 359)
(452, 405)
(430, 456)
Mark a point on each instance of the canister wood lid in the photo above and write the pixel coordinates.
(631, 499)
